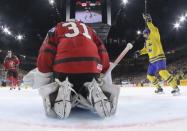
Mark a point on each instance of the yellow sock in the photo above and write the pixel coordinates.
(154, 81)
(169, 78)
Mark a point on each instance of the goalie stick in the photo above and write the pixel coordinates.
(107, 76)
(107, 85)
(120, 57)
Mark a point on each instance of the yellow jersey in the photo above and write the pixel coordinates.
(153, 46)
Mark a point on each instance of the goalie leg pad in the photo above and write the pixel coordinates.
(48, 89)
(63, 105)
(45, 92)
(47, 107)
(114, 91)
(98, 99)
(111, 89)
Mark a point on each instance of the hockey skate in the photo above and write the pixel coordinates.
(159, 91)
(98, 99)
(175, 91)
(62, 105)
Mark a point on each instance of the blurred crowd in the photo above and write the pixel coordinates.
(179, 68)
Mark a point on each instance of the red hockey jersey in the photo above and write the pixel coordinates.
(11, 63)
(72, 47)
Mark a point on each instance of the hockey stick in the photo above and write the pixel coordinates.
(145, 11)
(108, 86)
(120, 57)
(107, 76)
(145, 7)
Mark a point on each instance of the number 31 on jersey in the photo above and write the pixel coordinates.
(75, 30)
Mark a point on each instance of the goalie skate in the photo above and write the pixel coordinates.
(62, 105)
(98, 99)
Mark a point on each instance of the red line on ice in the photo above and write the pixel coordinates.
(82, 126)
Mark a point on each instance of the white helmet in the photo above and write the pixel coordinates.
(9, 53)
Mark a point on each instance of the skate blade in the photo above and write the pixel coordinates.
(176, 94)
(103, 108)
(159, 93)
(62, 109)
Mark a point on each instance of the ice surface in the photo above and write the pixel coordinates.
(138, 109)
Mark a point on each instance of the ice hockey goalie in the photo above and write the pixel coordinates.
(69, 65)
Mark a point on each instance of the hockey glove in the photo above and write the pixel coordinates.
(136, 54)
(147, 18)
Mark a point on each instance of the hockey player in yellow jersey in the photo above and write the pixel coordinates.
(157, 60)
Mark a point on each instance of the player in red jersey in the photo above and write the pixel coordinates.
(11, 64)
(74, 56)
